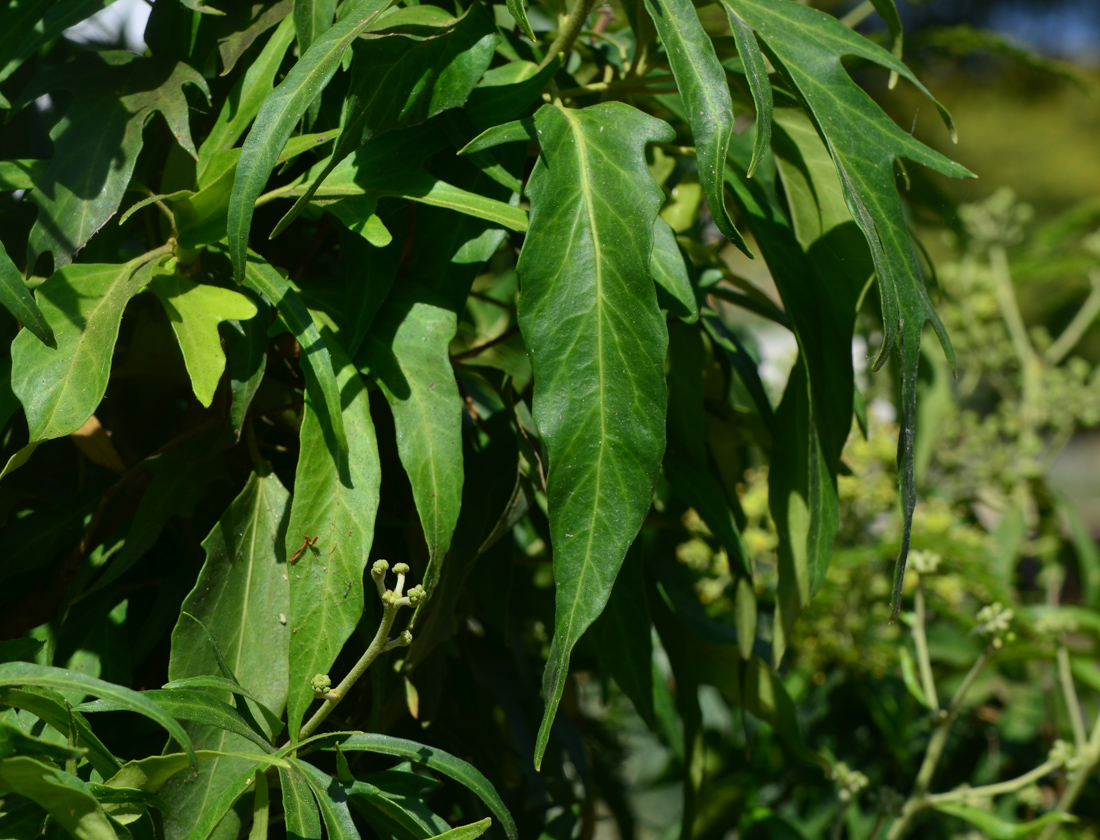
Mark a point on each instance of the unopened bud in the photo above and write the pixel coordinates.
(321, 683)
(379, 569)
(401, 568)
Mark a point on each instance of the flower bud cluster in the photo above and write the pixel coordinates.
(995, 621)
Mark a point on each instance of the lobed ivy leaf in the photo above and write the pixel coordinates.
(61, 386)
(706, 97)
(597, 341)
(279, 115)
(336, 498)
(807, 45)
(97, 142)
(62, 795)
(399, 82)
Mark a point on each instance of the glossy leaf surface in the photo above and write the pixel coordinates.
(597, 341)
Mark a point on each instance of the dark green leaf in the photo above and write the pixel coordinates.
(991, 825)
(302, 820)
(434, 759)
(22, 674)
(672, 274)
(29, 25)
(599, 383)
(64, 797)
(54, 709)
(279, 115)
(18, 301)
(706, 97)
(332, 799)
(14, 741)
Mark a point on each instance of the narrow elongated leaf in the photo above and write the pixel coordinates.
(22, 674)
(240, 599)
(518, 10)
(864, 143)
(194, 706)
(998, 828)
(312, 19)
(434, 759)
(399, 82)
(281, 112)
(465, 832)
(321, 383)
(261, 807)
(195, 311)
(61, 386)
(335, 502)
(63, 796)
(29, 25)
(14, 741)
(756, 72)
(56, 711)
(18, 301)
(97, 142)
(246, 344)
(226, 797)
(332, 800)
(302, 820)
(209, 681)
(597, 340)
(672, 275)
(400, 815)
(706, 96)
(244, 101)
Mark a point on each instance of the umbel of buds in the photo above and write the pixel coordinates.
(995, 621)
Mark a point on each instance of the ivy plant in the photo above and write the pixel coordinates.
(388, 329)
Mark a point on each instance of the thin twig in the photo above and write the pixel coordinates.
(1076, 328)
(481, 348)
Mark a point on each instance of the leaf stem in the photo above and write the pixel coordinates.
(1073, 704)
(859, 14)
(1078, 326)
(570, 31)
(1089, 758)
(997, 789)
(924, 663)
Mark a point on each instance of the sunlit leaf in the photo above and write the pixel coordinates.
(18, 301)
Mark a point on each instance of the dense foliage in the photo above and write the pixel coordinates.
(382, 425)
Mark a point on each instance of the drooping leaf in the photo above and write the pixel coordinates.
(312, 18)
(64, 797)
(55, 710)
(246, 97)
(23, 674)
(399, 82)
(756, 72)
(14, 741)
(195, 310)
(18, 301)
(864, 144)
(246, 344)
(192, 706)
(597, 341)
(332, 800)
(61, 386)
(321, 383)
(335, 502)
(706, 96)
(241, 598)
(303, 822)
(281, 112)
(672, 275)
(244, 24)
(97, 142)
(434, 759)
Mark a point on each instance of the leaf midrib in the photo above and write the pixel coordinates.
(590, 211)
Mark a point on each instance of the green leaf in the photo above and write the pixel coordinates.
(250, 21)
(227, 796)
(281, 112)
(302, 820)
(508, 91)
(909, 676)
(706, 97)
(599, 372)
(312, 18)
(55, 710)
(997, 828)
(396, 815)
(807, 46)
(22, 174)
(193, 706)
(64, 797)
(98, 141)
(61, 386)
(335, 502)
(399, 82)
(20, 650)
(195, 311)
(246, 344)
(151, 774)
(465, 832)
(204, 681)
(14, 741)
(1088, 555)
(518, 10)
(261, 807)
(756, 72)
(332, 799)
(244, 100)
(434, 759)
(22, 674)
(29, 25)
(18, 301)
(320, 379)
(672, 274)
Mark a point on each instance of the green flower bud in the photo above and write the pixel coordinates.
(379, 569)
(321, 683)
(401, 568)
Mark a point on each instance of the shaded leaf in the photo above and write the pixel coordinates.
(998, 828)
(55, 710)
(672, 274)
(332, 800)
(18, 301)
(302, 820)
(597, 341)
(29, 25)
(281, 112)
(64, 797)
(14, 741)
